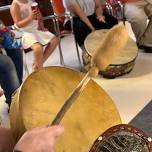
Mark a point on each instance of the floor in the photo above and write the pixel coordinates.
(130, 92)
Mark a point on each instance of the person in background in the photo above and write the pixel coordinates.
(88, 16)
(9, 41)
(35, 140)
(29, 20)
(135, 12)
(11, 67)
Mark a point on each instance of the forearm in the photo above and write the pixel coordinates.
(40, 21)
(87, 22)
(98, 8)
(23, 23)
(79, 12)
(99, 11)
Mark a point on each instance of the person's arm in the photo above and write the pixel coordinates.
(76, 9)
(7, 142)
(99, 11)
(39, 139)
(40, 20)
(16, 15)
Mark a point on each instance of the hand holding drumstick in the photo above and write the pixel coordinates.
(114, 41)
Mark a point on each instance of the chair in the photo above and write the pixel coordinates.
(60, 14)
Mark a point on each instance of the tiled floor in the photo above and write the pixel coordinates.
(130, 92)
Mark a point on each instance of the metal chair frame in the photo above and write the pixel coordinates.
(56, 24)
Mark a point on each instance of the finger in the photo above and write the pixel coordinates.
(102, 20)
(56, 130)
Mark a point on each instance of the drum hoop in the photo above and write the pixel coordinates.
(122, 127)
(123, 64)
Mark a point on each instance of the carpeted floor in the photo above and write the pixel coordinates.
(143, 120)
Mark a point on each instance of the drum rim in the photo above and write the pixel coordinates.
(125, 63)
(122, 127)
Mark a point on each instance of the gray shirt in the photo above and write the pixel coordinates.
(88, 6)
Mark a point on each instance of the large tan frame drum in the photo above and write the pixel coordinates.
(42, 95)
(121, 65)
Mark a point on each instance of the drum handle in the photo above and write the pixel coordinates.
(71, 99)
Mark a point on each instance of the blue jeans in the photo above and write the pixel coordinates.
(11, 72)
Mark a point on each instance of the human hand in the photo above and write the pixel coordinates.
(42, 29)
(92, 28)
(39, 139)
(12, 34)
(34, 14)
(101, 18)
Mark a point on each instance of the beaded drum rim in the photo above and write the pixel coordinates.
(122, 127)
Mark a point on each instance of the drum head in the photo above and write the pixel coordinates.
(93, 41)
(44, 92)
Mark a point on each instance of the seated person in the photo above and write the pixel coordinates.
(135, 13)
(88, 16)
(11, 69)
(35, 36)
(8, 41)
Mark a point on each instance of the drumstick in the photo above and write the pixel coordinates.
(114, 41)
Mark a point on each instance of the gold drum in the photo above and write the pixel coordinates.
(44, 92)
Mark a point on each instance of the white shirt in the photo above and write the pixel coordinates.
(88, 6)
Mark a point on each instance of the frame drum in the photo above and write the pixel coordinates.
(122, 138)
(44, 92)
(121, 65)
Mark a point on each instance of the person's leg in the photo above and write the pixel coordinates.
(8, 77)
(146, 38)
(110, 21)
(50, 48)
(7, 142)
(135, 14)
(81, 30)
(38, 56)
(17, 57)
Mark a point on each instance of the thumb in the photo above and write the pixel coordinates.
(56, 130)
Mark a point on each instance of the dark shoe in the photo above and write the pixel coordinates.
(147, 49)
(140, 47)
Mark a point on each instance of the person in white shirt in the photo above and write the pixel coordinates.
(88, 15)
